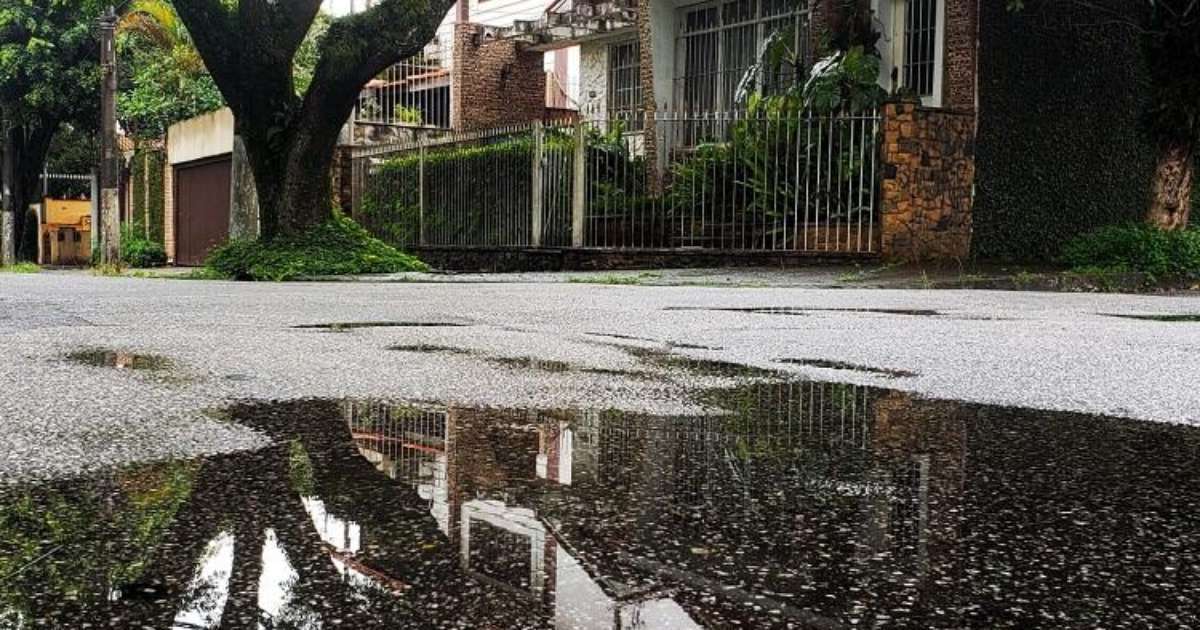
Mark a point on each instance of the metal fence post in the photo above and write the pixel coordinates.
(539, 151)
(421, 238)
(578, 185)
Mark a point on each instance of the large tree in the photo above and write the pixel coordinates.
(49, 76)
(1170, 35)
(249, 47)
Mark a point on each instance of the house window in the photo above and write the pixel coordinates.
(721, 44)
(920, 39)
(625, 83)
(917, 47)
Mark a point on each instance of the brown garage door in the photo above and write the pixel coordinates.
(201, 208)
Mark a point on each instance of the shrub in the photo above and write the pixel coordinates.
(337, 247)
(139, 251)
(1136, 248)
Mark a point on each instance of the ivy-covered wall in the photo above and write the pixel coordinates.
(147, 169)
(1060, 148)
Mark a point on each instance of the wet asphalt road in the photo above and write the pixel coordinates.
(232, 341)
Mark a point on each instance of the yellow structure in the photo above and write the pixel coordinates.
(66, 232)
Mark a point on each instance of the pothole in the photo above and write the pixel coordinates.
(852, 367)
(800, 311)
(344, 326)
(1158, 317)
(119, 359)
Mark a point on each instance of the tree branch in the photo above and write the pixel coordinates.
(359, 47)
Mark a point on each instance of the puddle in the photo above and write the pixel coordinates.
(700, 367)
(794, 310)
(853, 367)
(670, 344)
(98, 357)
(804, 505)
(531, 363)
(1165, 317)
(426, 348)
(344, 326)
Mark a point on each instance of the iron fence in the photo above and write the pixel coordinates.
(764, 180)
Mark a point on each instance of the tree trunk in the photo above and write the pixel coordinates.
(25, 151)
(1171, 191)
(293, 179)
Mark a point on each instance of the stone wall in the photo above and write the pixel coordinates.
(494, 82)
(928, 158)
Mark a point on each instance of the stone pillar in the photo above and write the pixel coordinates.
(928, 161)
(243, 203)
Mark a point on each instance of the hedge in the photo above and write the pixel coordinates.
(1060, 145)
(153, 160)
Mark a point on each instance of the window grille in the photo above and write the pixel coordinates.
(722, 43)
(625, 84)
(920, 46)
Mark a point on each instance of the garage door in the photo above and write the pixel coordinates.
(201, 208)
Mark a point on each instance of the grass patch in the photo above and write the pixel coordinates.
(22, 267)
(108, 269)
(615, 278)
(1135, 248)
(337, 247)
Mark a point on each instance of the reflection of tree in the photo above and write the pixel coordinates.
(68, 546)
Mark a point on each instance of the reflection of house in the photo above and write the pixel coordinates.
(570, 510)
(65, 232)
(696, 56)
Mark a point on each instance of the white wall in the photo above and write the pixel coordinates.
(204, 136)
(593, 79)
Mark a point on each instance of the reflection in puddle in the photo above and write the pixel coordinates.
(800, 505)
(853, 367)
(429, 348)
(118, 359)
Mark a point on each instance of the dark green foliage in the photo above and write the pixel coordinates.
(139, 251)
(1136, 248)
(1061, 148)
(337, 247)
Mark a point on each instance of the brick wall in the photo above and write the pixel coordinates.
(495, 82)
(928, 182)
(960, 61)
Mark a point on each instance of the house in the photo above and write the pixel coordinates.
(1043, 105)
(674, 54)
(66, 229)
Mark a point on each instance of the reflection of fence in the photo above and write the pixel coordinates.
(770, 181)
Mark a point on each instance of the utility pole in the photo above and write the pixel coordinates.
(110, 157)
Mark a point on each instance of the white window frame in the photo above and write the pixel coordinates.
(893, 14)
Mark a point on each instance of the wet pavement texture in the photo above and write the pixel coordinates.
(792, 504)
